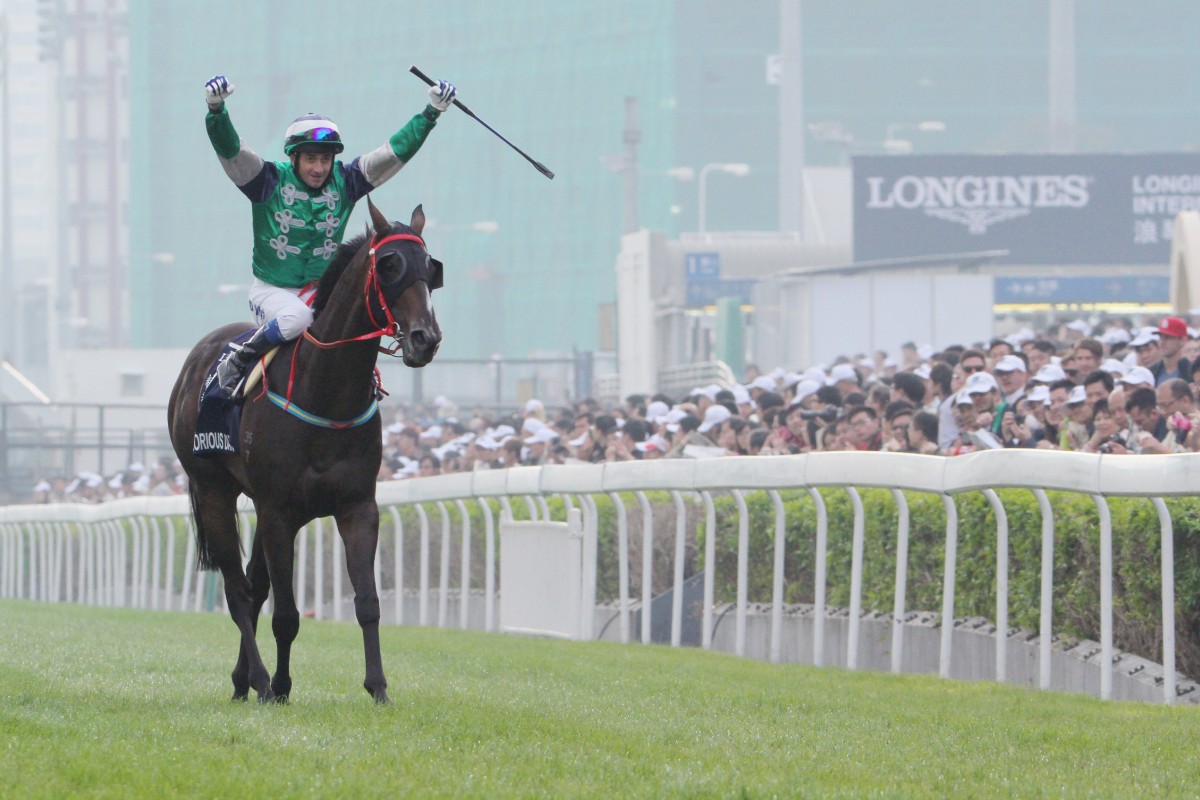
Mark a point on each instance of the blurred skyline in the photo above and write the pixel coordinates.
(121, 230)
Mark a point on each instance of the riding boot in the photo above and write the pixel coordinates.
(232, 369)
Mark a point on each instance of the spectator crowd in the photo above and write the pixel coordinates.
(1115, 389)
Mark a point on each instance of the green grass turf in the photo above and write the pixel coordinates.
(119, 703)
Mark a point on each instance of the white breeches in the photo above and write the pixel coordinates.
(288, 306)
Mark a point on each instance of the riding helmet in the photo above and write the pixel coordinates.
(313, 133)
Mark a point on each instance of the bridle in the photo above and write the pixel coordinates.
(389, 327)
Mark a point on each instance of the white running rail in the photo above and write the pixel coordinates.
(140, 552)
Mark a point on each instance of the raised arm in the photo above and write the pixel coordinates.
(255, 177)
(371, 169)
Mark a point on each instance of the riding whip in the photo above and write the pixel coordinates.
(537, 165)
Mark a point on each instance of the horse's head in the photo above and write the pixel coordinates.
(407, 276)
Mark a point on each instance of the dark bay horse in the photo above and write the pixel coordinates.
(295, 471)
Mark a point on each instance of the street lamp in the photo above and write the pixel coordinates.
(736, 169)
(482, 226)
(903, 146)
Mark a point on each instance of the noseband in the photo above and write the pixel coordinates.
(392, 327)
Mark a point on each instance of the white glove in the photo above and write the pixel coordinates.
(216, 89)
(441, 95)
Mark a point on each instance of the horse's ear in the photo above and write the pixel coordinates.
(382, 226)
(418, 220)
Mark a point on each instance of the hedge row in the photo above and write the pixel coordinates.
(1136, 567)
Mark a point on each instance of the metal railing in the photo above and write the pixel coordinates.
(133, 552)
(63, 439)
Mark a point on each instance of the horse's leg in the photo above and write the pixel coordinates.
(280, 547)
(359, 528)
(218, 516)
(260, 587)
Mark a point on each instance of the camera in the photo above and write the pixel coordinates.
(1182, 422)
(829, 414)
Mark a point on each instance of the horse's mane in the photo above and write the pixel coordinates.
(341, 259)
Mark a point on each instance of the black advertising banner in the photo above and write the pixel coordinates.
(1043, 209)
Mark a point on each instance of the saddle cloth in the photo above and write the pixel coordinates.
(219, 420)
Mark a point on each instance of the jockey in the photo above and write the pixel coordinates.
(300, 208)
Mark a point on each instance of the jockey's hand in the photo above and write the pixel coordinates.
(216, 89)
(441, 95)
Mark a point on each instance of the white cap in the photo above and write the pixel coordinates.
(714, 416)
(842, 372)
(1137, 376)
(1010, 363)
(764, 382)
(433, 432)
(542, 435)
(1078, 395)
(1039, 394)
(395, 427)
(440, 400)
(1144, 337)
(1115, 367)
(486, 442)
(814, 374)
(136, 466)
(1079, 325)
(115, 481)
(925, 351)
(671, 419)
(500, 431)
(42, 486)
(656, 409)
(534, 406)
(654, 443)
(532, 425)
(979, 382)
(1049, 373)
(961, 398)
(923, 372)
(1114, 336)
(805, 388)
(741, 395)
(579, 440)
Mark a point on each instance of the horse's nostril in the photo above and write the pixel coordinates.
(418, 337)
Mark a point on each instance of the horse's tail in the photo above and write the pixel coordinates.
(204, 557)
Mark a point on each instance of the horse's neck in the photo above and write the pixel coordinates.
(339, 378)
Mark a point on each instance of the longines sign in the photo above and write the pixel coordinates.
(1043, 209)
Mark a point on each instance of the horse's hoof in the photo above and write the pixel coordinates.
(281, 688)
(266, 696)
(239, 695)
(279, 700)
(380, 696)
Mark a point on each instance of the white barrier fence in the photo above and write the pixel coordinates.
(139, 552)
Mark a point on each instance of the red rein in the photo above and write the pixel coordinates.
(392, 328)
